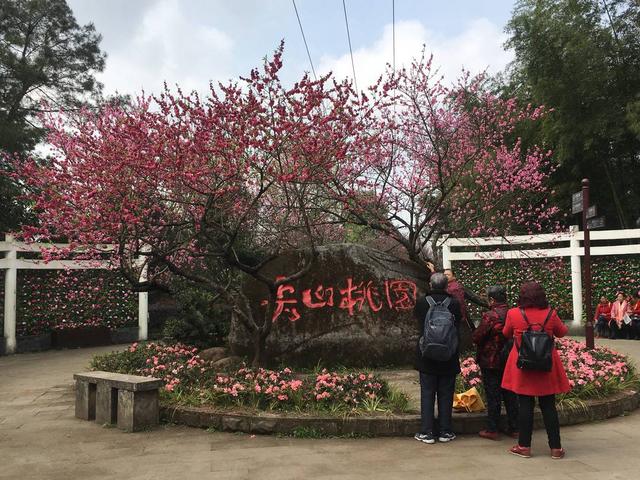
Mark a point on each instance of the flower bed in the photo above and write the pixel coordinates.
(593, 373)
(190, 380)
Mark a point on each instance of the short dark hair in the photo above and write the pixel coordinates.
(498, 293)
(438, 281)
(532, 295)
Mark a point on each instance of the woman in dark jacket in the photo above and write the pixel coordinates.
(490, 342)
(437, 379)
(529, 384)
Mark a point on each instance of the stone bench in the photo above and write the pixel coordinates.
(130, 401)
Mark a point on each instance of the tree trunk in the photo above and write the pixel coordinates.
(259, 349)
(616, 199)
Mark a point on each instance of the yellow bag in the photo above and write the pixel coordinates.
(469, 401)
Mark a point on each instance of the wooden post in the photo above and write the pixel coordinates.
(587, 265)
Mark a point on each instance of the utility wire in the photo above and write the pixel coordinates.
(313, 70)
(393, 29)
(353, 67)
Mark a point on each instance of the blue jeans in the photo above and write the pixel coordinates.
(442, 387)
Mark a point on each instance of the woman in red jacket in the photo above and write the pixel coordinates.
(529, 384)
(602, 317)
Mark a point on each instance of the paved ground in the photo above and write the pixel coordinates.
(41, 439)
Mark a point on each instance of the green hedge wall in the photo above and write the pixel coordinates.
(610, 275)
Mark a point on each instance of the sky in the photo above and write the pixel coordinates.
(192, 42)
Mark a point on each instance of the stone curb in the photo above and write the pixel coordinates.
(383, 425)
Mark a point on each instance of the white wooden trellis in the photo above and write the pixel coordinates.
(11, 264)
(453, 249)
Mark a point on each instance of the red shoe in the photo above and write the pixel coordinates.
(489, 435)
(557, 453)
(524, 452)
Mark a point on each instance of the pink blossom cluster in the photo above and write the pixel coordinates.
(470, 372)
(350, 388)
(282, 388)
(597, 367)
(175, 364)
(585, 368)
(259, 385)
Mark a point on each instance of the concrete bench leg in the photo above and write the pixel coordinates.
(138, 410)
(85, 400)
(106, 404)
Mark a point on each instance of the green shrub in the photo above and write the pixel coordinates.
(200, 321)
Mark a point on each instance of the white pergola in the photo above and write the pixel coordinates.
(458, 249)
(11, 263)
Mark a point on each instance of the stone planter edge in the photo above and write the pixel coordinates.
(382, 426)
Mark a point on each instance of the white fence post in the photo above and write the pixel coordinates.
(10, 287)
(576, 276)
(143, 304)
(446, 255)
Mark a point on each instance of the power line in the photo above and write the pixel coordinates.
(346, 21)
(305, 40)
(393, 29)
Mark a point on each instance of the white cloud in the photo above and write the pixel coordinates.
(168, 46)
(478, 47)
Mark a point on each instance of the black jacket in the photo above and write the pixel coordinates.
(425, 365)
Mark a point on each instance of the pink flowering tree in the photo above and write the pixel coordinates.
(451, 164)
(207, 189)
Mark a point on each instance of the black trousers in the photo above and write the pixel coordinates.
(615, 332)
(442, 387)
(492, 380)
(601, 326)
(547, 406)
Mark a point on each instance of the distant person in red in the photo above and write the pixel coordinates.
(533, 309)
(602, 317)
(457, 291)
(634, 312)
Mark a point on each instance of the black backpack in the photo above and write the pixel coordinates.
(536, 347)
(440, 338)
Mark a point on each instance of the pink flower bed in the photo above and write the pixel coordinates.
(175, 364)
(350, 388)
(281, 389)
(186, 374)
(258, 387)
(590, 372)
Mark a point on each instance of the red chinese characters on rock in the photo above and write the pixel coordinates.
(393, 295)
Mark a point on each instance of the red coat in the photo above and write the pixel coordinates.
(636, 309)
(604, 310)
(456, 291)
(531, 382)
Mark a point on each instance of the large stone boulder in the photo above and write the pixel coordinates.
(353, 308)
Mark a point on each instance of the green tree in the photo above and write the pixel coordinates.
(45, 56)
(582, 58)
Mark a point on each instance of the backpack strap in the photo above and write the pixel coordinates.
(547, 319)
(446, 302)
(544, 324)
(431, 301)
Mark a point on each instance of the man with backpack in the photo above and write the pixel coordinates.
(491, 357)
(437, 358)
